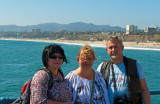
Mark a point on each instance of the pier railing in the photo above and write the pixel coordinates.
(4, 100)
(154, 92)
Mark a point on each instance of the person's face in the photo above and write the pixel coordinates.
(55, 61)
(86, 62)
(114, 49)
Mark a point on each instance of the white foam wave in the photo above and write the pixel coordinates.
(103, 46)
(14, 64)
(142, 48)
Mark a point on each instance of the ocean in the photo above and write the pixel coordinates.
(19, 60)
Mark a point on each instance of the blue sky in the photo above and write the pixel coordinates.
(143, 13)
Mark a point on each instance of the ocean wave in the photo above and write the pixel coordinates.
(142, 48)
(14, 64)
(103, 46)
(100, 45)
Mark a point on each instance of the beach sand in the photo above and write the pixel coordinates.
(100, 43)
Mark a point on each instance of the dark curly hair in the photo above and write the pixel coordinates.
(51, 49)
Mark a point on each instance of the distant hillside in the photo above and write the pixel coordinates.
(77, 27)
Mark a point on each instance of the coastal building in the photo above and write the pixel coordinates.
(150, 29)
(130, 29)
(36, 30)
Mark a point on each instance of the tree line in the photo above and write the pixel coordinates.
(85, 36)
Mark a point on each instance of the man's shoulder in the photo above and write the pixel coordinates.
(103, 65)
(106, 62)
(100, 66)
(130, 59)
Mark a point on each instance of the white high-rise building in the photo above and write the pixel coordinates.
(150, 29)
(131, 29)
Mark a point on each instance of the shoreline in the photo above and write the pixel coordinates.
(93, 43)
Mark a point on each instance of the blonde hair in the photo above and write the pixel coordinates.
(85, 51)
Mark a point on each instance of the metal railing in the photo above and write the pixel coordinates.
(154, 92)
(4, 100)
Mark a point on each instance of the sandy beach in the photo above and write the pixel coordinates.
(100, 43)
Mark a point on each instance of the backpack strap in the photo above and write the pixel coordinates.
(50, 83)
(50, 76)
(61, 72)
(105, 70)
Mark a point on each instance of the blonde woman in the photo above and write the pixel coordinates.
(80, 81)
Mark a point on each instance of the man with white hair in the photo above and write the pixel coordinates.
(124, 77)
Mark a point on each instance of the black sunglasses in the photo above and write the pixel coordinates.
(56, 56)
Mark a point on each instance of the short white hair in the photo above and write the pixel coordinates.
(112, 38)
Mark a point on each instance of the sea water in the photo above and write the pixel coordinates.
(19, 60)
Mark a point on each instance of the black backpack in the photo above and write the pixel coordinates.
(25, 93)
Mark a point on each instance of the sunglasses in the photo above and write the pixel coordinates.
(56, 56)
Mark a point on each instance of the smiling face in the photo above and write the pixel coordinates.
(49, 51)
(114, 49)
(86, 57)
(55, 62)
(86, 61)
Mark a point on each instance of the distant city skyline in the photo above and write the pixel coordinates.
(142, 13)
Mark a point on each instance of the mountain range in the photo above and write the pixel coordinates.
(73, 27)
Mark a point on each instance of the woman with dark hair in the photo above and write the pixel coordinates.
(53, 57)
